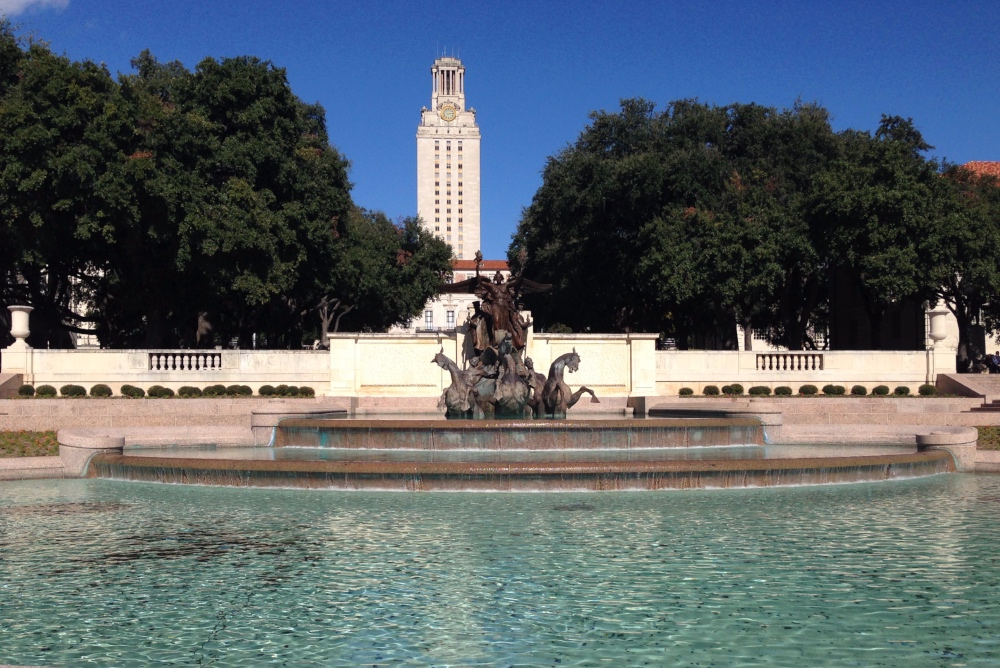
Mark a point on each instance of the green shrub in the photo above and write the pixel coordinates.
(26, 391)
(100, 390)
(45, 391)
(233, 391)
(266, 391)
(133, 392)
(735, 390)
(759, 391)
(246, 391)
(189, 391)
(783, 391)
(711, 391)
(859, 390)
(160, 392)
(834, 390)
(686, 392)
(880, 390)
(902, 391)
(293, 391)
(215, 391)
(73, 391)
(927, 390)
(307, 392)
(281, 390)
(808, 390)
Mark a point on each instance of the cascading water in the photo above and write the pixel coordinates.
(574, 455)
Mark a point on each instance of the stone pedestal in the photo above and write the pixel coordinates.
(959, 441)
(77, 446)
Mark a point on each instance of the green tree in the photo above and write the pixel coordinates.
(59, 121)
(964, 242)
(384, 276)
(876, 205)
(684, 221)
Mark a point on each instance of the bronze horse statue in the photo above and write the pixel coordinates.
(457, 397)
(556, 396)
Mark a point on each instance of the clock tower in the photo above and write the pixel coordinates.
(448, 161)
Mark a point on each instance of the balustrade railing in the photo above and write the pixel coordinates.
(185, 361)
(788, 361)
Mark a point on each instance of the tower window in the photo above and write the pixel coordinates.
(448, 148)
(460, 211)
(460, 202)
(437, 183)
(448, 201)
(448, 211)
(460, 220)
(437, 210)
(459, 146)
(437, 201)
(449, 229)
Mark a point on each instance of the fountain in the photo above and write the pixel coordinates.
(505, 429)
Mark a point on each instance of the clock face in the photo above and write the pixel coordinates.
(448, 112)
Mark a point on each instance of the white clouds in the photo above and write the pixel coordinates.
(15, 7)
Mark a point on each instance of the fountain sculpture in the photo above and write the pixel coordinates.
(500, 380)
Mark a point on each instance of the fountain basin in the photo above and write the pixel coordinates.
(519, 476)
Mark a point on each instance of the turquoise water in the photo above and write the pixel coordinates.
(904, 573)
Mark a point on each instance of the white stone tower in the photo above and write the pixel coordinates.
(448, 161)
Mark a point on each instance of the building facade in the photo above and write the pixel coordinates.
(448, 140)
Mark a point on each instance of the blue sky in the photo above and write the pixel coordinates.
(534, 70)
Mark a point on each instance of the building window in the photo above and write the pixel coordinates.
(460, 220)
(449, 229)
(460, 211)
(428, 319)
(437, 210)
(449, 147)
(437, 201)
(437, 184)
(451, 319)
(460, 202)
(437, 220)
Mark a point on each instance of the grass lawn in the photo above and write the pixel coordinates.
(989, 438)
(28, 444)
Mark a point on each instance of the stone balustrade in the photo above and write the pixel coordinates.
(789, 361)
(166, 361)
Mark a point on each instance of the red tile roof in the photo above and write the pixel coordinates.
(983, 167)
(488, 265)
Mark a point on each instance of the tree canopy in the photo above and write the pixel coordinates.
(693, 219)
(141, 206)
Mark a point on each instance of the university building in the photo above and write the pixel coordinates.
(448, 190)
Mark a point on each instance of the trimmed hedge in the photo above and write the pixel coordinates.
(710, 391)
(307, 392)
(73, 391)
(808, 390)
(266, 391)
(26, 391)
(783, 391)
(927, 390)
(759, 391)
(100, 390)
(133, 392)
(733, 390)
(880, 390)
(189, 391)
(215, 391)
(902, 391)
(160, 392)
(834, 390)
(686, 392)
(859, 390)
